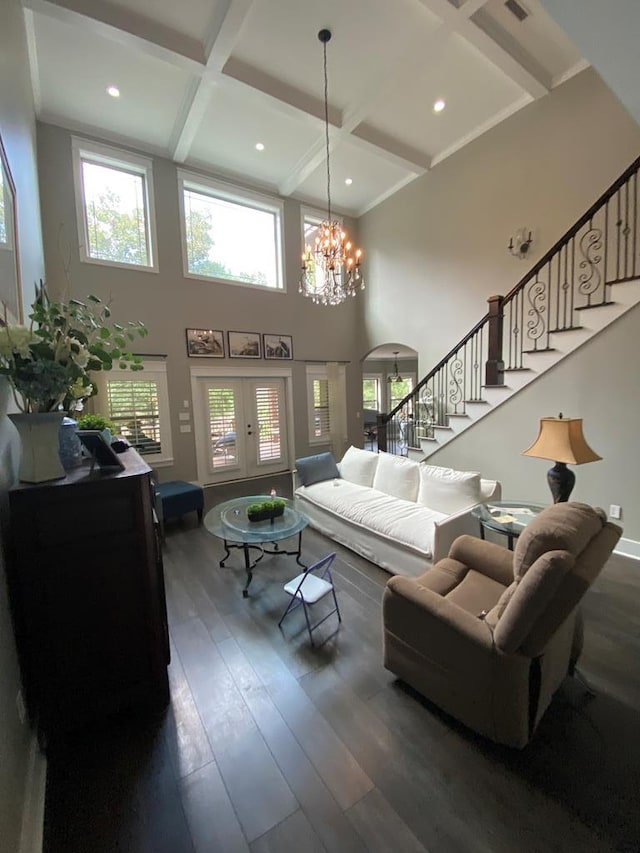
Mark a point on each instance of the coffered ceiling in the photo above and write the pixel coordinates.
(203, 81)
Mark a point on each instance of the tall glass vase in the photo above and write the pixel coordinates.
(39, 437)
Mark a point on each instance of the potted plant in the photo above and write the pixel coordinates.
(266, 510)
(48, 365)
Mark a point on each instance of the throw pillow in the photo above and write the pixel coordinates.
(359, 466)
(397, 476)
(315, 469)
(447, 490)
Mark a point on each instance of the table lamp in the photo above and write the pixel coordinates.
(561, 440)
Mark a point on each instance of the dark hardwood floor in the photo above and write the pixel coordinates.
(269, 745)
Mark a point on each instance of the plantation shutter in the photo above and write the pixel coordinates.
(267, 401)
(221, 405)
(134, 408)
(321, 410)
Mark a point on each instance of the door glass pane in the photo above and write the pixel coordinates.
(268, 420)
(222, 426)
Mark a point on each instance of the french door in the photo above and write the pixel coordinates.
(245, 428)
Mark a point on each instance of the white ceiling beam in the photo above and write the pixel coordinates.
(390, 149)
(460, 22)
(507, 42)
(221, 37)
(32, 52)
(127, 28)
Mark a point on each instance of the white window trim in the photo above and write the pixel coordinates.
(408, 376)
(117, 158)
(379, 378)
(319, 371)
(156, 371)
(241, 196)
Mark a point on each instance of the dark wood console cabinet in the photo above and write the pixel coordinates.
(87, 596)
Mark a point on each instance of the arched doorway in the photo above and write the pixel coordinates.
(389, 373)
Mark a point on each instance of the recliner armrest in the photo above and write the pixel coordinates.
(406, 599)
(490, 559)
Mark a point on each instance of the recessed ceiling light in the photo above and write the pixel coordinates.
(113, 91)
(259, 146)
(348, 181)
(439, 106)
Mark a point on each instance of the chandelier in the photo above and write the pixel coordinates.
(395, 376)
(331, 267)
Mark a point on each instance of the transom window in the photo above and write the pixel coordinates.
(230, 234)
(114, 204)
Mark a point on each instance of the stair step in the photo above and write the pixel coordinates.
(538, 350)
(457, 415)
(518, 370)
(597, 305)
(558, 330)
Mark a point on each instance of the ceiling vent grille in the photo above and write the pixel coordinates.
(516, 9)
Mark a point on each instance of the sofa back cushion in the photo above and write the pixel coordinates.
(359, 466)
(315, 469)
(397, 476)
(447, 490)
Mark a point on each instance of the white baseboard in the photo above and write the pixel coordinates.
(31, 835)
(628, 548)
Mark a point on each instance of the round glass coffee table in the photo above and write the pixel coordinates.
(229, 522)
(506, 517)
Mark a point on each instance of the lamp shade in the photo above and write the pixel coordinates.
(561, 440)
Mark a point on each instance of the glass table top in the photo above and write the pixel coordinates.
(229, 521)
(507, 516)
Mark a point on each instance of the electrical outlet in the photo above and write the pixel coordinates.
(615, 511)
(20, 707)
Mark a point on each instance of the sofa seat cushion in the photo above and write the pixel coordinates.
(405, 522)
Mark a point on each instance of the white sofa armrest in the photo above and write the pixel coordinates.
(490, 490)
(447, 531)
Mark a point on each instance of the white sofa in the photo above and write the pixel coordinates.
(400, 514)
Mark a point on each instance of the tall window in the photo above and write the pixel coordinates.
(371, 393)
(326, 403)
(229, 234)
(138, 404)
(399, 390)
(114, 203)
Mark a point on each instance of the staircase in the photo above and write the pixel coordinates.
(581, 285)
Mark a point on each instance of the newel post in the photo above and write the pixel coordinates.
(381, 433)
(494, 369)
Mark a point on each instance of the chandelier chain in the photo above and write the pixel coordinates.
(326, 129)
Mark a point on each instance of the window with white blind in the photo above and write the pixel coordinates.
(138, 404)
(371, 392)
(114, 205)
(326, 409)
(267, 399)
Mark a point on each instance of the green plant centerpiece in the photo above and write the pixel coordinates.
(99, 422)
(49, 363)
(266, 509)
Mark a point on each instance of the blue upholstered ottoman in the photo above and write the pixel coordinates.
(178, 497)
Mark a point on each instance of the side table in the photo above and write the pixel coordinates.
(509, 518)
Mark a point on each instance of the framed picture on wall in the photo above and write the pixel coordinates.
(278, 346)
(205, 343)
(244, 344)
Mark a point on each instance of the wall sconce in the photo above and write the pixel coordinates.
(520, 243)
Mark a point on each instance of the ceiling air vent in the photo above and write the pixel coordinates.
(516, 9)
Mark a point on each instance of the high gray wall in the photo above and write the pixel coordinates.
(442, 241)
(17, 128)
(169, 303)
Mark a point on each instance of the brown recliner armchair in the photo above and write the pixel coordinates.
(488, 634)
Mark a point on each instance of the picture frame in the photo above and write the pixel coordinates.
(278, 347)
(244, 344)
(101, 453)
(205, 343)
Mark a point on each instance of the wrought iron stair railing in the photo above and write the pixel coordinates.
(601, 249)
